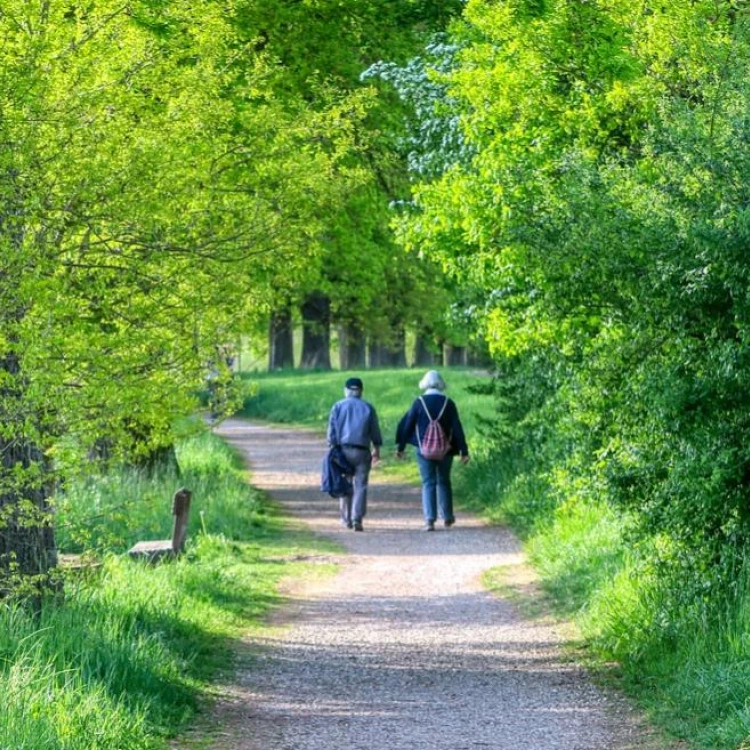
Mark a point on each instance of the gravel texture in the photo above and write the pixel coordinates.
(403, 649)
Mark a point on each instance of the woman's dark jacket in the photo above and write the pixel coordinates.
(417, 420)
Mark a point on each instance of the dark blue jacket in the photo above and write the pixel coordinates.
(335, 476)
(416, 419)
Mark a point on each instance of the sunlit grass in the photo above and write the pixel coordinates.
(126, 657)
(306, 398)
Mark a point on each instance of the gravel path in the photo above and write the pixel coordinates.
(403, 649)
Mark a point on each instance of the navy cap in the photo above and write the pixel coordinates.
(354, 383)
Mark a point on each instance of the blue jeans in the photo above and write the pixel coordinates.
(437, 493)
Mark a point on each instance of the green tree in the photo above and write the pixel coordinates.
(321, 49)
(601, 217)
(152, 190)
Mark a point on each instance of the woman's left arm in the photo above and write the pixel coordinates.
(457, 434)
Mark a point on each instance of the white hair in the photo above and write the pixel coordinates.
(352, 392)
(432, 379)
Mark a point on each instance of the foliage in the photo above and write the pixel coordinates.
(153, 187)
(136, 174)
(372, 287)
(601, 220)
(433, 140)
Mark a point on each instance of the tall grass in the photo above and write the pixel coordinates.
(689, 667)
(124, 659)
(117, 509)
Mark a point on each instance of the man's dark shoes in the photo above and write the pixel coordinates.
(429, 526)
(358, 526)
(348, 524)
(449, 522)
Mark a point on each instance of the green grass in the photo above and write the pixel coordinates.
(305, 399)
(126, 658)
(118, 509)
(578, 553)
(690, 673)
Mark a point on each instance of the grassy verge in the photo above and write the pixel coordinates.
(124, 660)
(688, 668)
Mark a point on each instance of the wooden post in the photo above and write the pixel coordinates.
(180, 511)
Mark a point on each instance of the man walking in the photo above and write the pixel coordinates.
(353, 424)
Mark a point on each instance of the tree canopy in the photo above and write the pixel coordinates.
(154, 187)
(566, 177)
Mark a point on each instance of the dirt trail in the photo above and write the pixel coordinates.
(403, 649)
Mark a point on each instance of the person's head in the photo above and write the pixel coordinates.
(353, 388)
(432, 380)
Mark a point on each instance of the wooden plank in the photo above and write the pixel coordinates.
(152, 551)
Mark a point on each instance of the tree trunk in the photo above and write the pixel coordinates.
(162, 458)
(281, 340)
(352, 348)
(316, 333)
(385, 355)
(376, 354)
(479, 355)
(425, 352)
(27, 538)
(397, 351)
(148, 454)
(454, 355)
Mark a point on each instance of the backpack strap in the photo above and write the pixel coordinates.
(427, 411)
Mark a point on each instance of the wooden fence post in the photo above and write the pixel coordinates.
(180, 511)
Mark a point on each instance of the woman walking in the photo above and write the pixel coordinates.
(434, 406)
